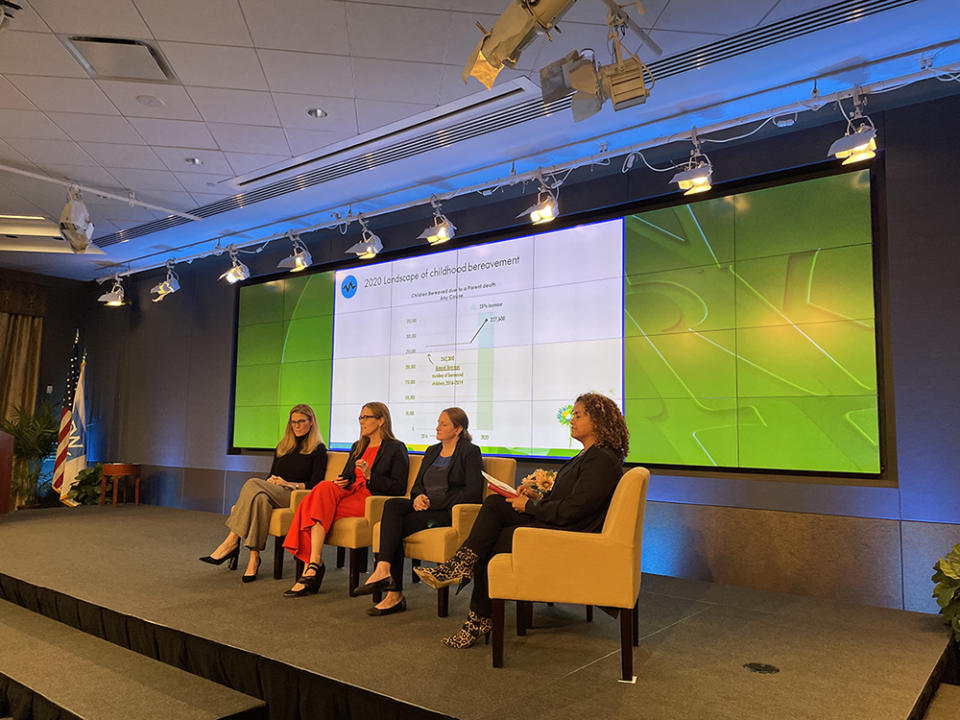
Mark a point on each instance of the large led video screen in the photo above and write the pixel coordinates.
(737, 332)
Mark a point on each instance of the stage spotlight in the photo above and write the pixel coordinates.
(860, 140)
(697, 172)
(546, 208)
(441, 230)
(369, 246)
(238, 271)
(75, 224)
(169, 286)
(113, 298)
(516, 28)
(299, 259)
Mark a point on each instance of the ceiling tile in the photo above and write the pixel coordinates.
(197, 183)
(66, 94)
(123, 156)
(173, 199)
(13, 99)
(396, 33)
(27, 19)
(87, 175)
(575, 36)
(148, 179)
(215, 65)
(202, 199)
(308, 73)
(120, 213)
(28, 53)
(174, 133)
(673, 42)
(452, 86)
(8, 153)
(96, 128)
(244, 163)
(51, 151)
(306, 141)
(250, 138)
(29, 124)
(706, 16)
(396, 80)
(209, 21)
(373, 114)
(462, 36)
(175, 103)
(435, 4)
(213, 161)
(310, 25)
(341, 112)
(217, 105)
(111, 18)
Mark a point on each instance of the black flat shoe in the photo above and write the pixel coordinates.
(383, 585)
(251, 578)
(374, 611)
(232, 556)
(311, 584)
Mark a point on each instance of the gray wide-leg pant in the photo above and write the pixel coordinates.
(250, 516)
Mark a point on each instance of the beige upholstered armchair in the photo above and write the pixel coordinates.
(439, 543)
(578, 568)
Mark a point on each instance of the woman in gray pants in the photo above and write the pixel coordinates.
(299, 462)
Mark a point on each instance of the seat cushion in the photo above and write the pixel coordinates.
(433, 545)
(280, 521)
(350, 532)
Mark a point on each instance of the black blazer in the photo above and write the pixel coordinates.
(581, 492)
(464, 481)
(388, 474)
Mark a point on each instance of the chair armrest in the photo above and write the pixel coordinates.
(538, 552)
(463, 516)
(373, 510)
(296, 497)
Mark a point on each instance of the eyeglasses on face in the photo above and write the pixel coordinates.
(367, 417)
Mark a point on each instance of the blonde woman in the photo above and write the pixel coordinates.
(299, 462)
(377, 465)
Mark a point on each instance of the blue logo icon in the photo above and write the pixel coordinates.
(349, 286)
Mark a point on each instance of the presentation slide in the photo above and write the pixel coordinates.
(737, 332)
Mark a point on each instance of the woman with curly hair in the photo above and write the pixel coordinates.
(578, 501)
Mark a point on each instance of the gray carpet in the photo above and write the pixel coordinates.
(836, 660)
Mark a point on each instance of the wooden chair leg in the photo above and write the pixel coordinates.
(116, 481)
(414, 578)
(354, 570)
(277, 557)
(626, 645)
(443, 602)
(298, 563)
(137, 490)
(341, 556)
(636, 623)
(524, 616)
(103, 489)
(497, 632)
(589, 613)
(377, 597)
(363, 560)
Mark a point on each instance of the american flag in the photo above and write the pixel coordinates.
(72, 440)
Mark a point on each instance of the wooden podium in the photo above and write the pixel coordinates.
(6, 470)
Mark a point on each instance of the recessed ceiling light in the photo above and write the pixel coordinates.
(22, 217)
(316, 113)
(193, 161)
(150, 101)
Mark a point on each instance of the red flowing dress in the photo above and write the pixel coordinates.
(326, 504)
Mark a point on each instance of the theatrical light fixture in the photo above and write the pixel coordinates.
(299, 259)
(75, 224)
(369, 246)
(860, 140)
(238, 271)
(697, 172)
(441, 230)
(546, 208)
(169, 286)
(516, 28)
(113, 298)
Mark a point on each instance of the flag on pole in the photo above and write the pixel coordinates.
(72, 439)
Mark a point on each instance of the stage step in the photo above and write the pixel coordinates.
(945, 704)
(48, 669)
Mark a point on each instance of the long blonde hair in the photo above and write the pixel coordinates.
(378, 410)
(310, 441)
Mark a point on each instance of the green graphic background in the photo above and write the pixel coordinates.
(284, 349)
(749, 335)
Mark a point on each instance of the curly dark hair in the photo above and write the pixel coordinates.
(609, 426)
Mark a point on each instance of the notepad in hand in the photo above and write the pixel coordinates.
(500, 488)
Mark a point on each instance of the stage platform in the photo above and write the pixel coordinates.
(130, 574)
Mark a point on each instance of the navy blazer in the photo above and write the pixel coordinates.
(388, 474)
(464, 481)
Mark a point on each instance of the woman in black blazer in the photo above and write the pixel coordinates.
(450, 474)
(377, 465)
(578, 502)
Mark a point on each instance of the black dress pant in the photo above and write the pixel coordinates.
(400, 520)
(492, 533)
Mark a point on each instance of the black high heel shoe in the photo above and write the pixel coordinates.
(383, 585)
(233, 556)
(251, 578)
(400, 606)
(311, 584)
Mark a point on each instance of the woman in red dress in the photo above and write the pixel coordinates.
(377, 465)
